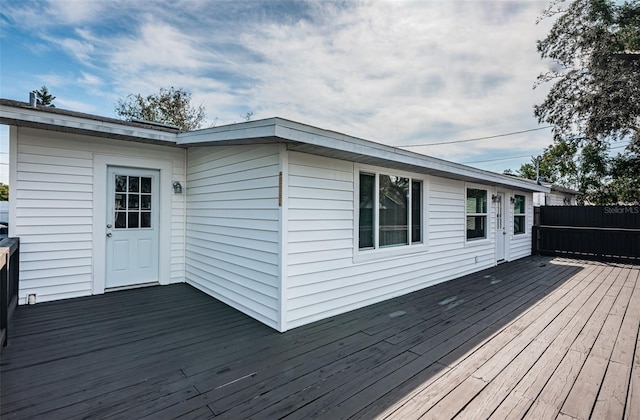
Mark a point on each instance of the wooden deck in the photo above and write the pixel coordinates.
(537, 338)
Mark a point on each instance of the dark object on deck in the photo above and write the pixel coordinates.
(9, 282)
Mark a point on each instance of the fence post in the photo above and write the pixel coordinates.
(14, 275)
(4, 299)
(9, 284)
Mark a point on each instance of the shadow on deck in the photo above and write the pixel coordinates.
(172, 351)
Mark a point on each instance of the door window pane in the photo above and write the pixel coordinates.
(145, 219)
(120, 203)
(133, 201)
(145, 184)
(145, 202)
(121, 183)
(134, 184)
(133, 220)
(120, 221)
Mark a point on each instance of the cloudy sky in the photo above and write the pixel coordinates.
(396, 72)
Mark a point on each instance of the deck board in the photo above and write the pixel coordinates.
(536, 338)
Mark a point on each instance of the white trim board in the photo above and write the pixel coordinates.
(298, 137)
(100, 164)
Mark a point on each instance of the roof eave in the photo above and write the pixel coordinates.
(34, 118)
(300, 137)
(314, 140)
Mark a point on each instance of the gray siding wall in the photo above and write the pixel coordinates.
(233, 221)
(52, 208)
(325, 278)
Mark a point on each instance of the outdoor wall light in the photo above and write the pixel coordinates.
(177, 187)
(512, 199)
(495, 198)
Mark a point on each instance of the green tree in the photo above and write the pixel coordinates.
(168, 106)
(594, 98)
(4, 192)
(595, 45)
(625, 173)
(590, 168)
(557, 164)
(594, 175)
(43, 97)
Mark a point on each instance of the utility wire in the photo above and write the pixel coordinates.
(476, 139)
(496, 160)
(522, 156)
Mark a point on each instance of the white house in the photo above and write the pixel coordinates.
(558, 196)
(285, 222)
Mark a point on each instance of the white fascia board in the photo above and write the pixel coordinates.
(300, 133)
(22, 116)
(233, 132)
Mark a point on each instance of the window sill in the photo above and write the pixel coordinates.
(388, 253)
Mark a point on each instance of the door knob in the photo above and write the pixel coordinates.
(109, 226)
(109, 235)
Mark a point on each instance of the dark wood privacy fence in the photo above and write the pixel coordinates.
(9, 280)
(593, 232)
(623, 217)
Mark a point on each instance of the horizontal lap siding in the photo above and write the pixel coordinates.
(323, 279)
(233, 227)
(54, 209)
(556, 199)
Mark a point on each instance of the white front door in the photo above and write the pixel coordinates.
(501, 229)
(132, 226)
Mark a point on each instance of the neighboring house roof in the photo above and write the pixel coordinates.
(298, 137)
(552, 187)
(564, 190)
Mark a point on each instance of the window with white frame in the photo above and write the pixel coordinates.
(390, 211)
(519, 217)
(476, 209)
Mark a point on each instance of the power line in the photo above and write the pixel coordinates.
(523, 156)
(476, 139)
(496, 160)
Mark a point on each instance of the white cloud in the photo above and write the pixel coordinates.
(89, 80)
(76, 105)
(400, 68)
(81, 50)
(395, 72)
(77, 11)
(157, 45)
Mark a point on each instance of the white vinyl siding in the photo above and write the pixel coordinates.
(323, 279)
(233, 227)
(53, 199)
(554, 198)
